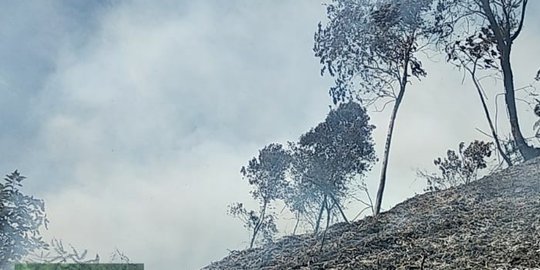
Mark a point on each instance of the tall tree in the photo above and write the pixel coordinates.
(370, 47)
(470, 55)
(328, 158)
(502, 22)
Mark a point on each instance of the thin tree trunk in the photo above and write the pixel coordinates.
(258, 225)
(486, 111)
(320, 215)
(339, 208)
(328, 210)
(296, 225)
(525, 150)
(399, 98)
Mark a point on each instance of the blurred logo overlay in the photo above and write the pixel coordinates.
(79, 266)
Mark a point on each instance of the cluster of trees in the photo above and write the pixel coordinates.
(312, 177)
(374, 51)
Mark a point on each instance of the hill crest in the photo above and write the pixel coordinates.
(491, 223)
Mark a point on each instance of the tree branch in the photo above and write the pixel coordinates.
(521, 21)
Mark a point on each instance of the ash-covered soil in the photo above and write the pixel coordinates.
(492, 223)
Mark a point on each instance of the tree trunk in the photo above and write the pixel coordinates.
(399, 98)
(328, 210)
(317, 225)
(504, 41)
(296, 225)
(339, 208)
(258, 225)
(486, 111)
(527, 151)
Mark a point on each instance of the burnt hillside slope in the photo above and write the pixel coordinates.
(492, 223)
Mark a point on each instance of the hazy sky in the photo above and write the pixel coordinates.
(131, 119)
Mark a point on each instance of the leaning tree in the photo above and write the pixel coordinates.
(371, 49)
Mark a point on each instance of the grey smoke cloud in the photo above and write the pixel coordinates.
(132, 119)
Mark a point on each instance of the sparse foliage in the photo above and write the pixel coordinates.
(57, 252)
(459, 167)
(255, 222)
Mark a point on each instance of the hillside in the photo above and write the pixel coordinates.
(492, 223)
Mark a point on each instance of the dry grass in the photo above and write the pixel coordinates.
(493, 223)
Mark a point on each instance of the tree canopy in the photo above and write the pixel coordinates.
(327, 159)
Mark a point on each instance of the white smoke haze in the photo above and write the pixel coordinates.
(132, 119)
